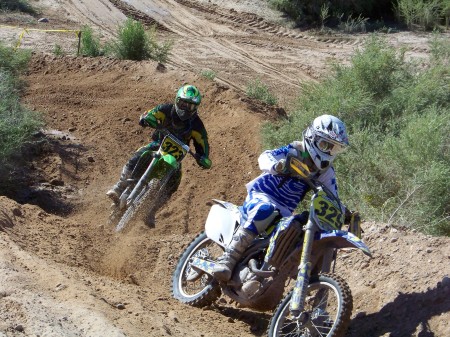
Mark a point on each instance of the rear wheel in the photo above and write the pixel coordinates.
(203, 290)
(328, 304)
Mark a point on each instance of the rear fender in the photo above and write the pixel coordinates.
(223, 218)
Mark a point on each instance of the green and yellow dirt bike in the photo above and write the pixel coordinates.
(302, 247)
(147, 192)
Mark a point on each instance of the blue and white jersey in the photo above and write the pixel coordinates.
(286, 193)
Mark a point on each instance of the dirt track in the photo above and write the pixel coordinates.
(64, 272)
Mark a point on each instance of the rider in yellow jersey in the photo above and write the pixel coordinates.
(181, 119)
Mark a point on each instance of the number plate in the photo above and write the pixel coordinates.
(172, 147)
(328, 213)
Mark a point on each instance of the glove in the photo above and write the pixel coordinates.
(347, 216)
(203, 161)
(280, 167)
(143, 122)
(354, 224)
(148, 120)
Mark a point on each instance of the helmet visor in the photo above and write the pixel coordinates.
(186, 110)
(329, 147)
(187, 106)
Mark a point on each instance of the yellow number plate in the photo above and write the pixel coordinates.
(170, 146)
(327, 211)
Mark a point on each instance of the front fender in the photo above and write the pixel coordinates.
(169, 159)
(342, 239)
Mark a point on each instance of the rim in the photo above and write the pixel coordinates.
(323, 314)
(203, 249)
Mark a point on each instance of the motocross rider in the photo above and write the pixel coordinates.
(182, 120)
(275, 192)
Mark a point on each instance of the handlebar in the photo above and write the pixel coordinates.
(166, 132)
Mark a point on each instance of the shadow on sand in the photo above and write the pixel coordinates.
(408, 315)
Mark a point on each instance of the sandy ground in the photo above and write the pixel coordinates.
(63, 270)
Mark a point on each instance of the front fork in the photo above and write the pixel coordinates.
(301, 285)
(143, 179)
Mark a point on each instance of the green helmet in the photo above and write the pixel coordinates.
(186, 102)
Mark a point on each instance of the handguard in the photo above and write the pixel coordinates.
(292, 166)
(354, 226)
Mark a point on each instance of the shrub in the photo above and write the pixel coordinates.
(257, 89)
(17, 5)
(58, 50)
(209, 74)
(397, 168)
(17, 124)
(353, 25)
(313, 12)
(89, 44)
(13, 61)
(425, 14)
(135, 43)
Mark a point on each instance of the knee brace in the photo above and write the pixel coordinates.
(259, 216)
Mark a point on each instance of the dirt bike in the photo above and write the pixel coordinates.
(301, 247)
(145, 193)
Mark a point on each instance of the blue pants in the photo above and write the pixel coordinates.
(260, 213)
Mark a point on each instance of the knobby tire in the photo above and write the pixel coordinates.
(281, 323)
(137, 203)
(154, 188)
(209, 289)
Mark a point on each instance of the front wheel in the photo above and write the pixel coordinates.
(146, 198)
(328, 304)
(202, 290)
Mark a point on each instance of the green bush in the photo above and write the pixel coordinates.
(17, 5)
(13, 61)
(311, 12)
(58, 50)
(397, 169)
(209, 74)
(353, 16)
(17, 124)
(424, 14)
(89, 44)
(135, 43)
(257, 89)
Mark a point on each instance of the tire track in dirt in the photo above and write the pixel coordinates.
(255, 21)
(137, 15)
(218, 33)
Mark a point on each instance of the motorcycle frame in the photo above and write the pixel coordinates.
(159, 158)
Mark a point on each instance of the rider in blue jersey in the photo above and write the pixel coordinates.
(275, 192)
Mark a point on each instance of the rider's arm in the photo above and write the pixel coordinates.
(201, 144)
(328, 179)
(269, 160)
(153, 117)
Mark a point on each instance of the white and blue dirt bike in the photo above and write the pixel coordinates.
(147, 192)
(320, 302)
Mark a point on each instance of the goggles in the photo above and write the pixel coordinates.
(329, 147)
(187, 106)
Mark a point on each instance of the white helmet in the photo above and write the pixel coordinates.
(324, 139)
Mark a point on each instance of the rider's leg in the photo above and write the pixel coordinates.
(127, 171)
(260, 213)
(115, 192)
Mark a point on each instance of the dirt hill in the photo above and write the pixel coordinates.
(63, 269)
